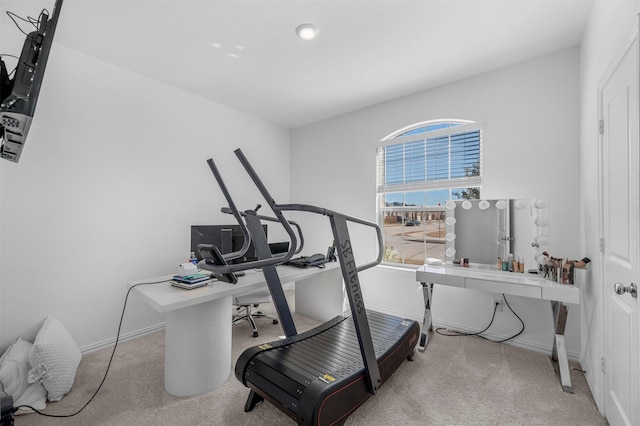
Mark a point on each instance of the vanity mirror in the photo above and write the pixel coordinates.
(483, 230)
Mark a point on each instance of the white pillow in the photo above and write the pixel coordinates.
(6, 352)
(35, 395)
(14, 367)
(54, 359)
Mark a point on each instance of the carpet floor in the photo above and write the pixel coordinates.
(456, 381)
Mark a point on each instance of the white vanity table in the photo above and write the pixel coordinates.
(487, 278)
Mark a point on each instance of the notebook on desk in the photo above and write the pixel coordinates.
(193, 278)
(190, 286)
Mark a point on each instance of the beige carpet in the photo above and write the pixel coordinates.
(457, 381)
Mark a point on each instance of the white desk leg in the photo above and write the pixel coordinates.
(320, 297)
(427, 326)
(559, 352)
(198, 348)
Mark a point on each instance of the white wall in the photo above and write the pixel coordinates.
(530, 113)
(611, 24)
(112, 176)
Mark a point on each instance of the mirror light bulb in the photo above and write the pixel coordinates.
(542, 240)
(521, 204)
(502, 204)
(541, 222)
(540, 203)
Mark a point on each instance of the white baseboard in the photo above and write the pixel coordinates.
(123, 338)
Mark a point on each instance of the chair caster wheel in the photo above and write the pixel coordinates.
(275, 321)
(255, 334)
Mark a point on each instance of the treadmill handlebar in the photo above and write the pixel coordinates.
(233, 210)
(254, 264)
(331, 213)
(227, 210)
(277, 210)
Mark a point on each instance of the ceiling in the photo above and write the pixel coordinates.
(245, 53)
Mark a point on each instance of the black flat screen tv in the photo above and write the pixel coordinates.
(19, 94)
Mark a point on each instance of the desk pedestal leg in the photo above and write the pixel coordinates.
(198, 348)
(427, 326)
(559, 353)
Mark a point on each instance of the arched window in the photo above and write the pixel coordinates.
(419, 168)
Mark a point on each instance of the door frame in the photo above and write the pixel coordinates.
(632, 36)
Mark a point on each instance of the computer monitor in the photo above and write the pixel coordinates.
(228, 238)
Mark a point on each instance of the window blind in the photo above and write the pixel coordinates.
(424, 162)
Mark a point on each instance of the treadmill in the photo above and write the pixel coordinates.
(320, 376)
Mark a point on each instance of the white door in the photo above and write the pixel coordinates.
(620, 181)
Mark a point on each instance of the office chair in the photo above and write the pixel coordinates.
(247, 301)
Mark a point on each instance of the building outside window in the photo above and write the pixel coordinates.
(420, 168)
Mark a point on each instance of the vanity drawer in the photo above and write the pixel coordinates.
(440, 278)
(566, 293)
(506, 288)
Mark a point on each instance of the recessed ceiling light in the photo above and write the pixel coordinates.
(307, 31)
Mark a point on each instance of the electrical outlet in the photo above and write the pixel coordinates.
(495, 302)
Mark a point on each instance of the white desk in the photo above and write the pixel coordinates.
(486, 278)
(198, 330)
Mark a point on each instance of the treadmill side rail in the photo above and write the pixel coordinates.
(356, 302)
